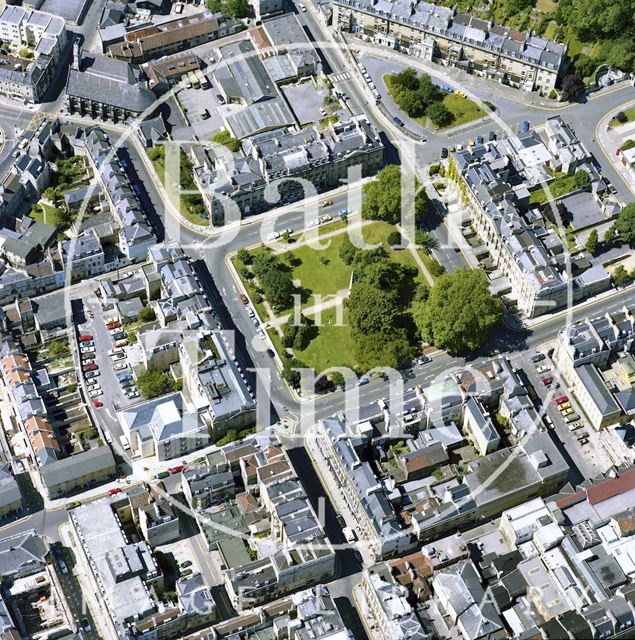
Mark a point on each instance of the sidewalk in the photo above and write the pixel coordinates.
(611, 139)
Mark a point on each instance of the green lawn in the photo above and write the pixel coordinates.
(560, 186)
(45, 213)
(463, 109)
(333, 346)
(630, 116)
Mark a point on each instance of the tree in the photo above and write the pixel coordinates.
(278, 286)
(371, 310)
(153, 384)
(288, 335)
(380, 350)
(439, 114)
(425, 240)
(244, 256)
(58, 348)
(460, 312)
(348, 250)
(382, 197)
(581, 180)
(147, 314)
(584, 65)
(406, 79)
(290, 372)
(621, 276)
(625, 223)
(303, 336)
(571, 86)
(592, 242)
(230, 436)
(337, 378)
(394, 239)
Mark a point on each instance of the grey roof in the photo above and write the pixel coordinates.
(95, 460)
(9, 488)
(596, 388)
(109, 82)
(22, 554)
(260, 117)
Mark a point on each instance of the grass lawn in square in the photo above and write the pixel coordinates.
(464, 110)
(332, 347)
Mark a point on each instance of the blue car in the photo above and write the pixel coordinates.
(525, 126)
(344, 212)
(398, 121)
(362, 381)
(124, 377)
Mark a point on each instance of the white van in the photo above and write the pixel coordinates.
(349, 534)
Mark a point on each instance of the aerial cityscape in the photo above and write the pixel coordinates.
(317, 319)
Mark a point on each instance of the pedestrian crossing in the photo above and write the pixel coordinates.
(341, 76)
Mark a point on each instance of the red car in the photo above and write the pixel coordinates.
(547, 381)
(561, 400)
(244, 299)
(114, 492)
(85, 338)
(113, 325)
(177, 469)
(89, 367)
(98, 404)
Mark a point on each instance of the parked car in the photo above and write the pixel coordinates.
(63, 567)
(326, 203)
(479, 140)
(398, 121)
(113, 325)
(584, 441)
(124, 376)
(163, 474)
(85, 338)
(115, 491)
(97, 404)
(114, 331)
(86, 359)
(121, 343)
(126, 383)
(362, 381)
(547, 381)
(86, 625)
(119, 336)
(261, 334)
(271, 353)
(244, 299)
(89, 367)
(274, 235)
(563, 406)
(120, 366)
(543, 369)
(91, 374)
(119, 356)
(93, 386)
(567, 412)
(73, 505)
(325, 218)
(561, 400)
(525, 126)
(424, 360)
(574, 417)
(95, 393)
(251, 313)
(186, 564)
(491, 136)
(344, 212)
(538, 357)
(177, 469)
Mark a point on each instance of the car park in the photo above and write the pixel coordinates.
(91, 374)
